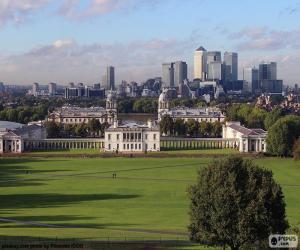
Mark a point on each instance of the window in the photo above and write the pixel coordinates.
(135, 146)
(146, 137)
(131, 146)
(124, 136)
(118, 136)
(154, 146)
(124, 146)
(140, 146)
(140, 136)
(109, 147)
(127, 146)
(109, 136)
(118, 146)
(154, 136)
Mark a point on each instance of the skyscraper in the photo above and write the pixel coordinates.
(268, 71)
(35, 89)
(200, 63)
(251, 80)
(168, 75)
(231, 59)
(110, 78)
(214, 67)
(180, 72)
(52, 88)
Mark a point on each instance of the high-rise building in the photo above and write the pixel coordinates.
(180, 72)
(251, 80)
(110, 78)
(2, 88)
(168, 75)
(231, 59)
(215, 71)
(213, 56)
(52, 88)
(35, 89)
(200, 63)
(268, 71)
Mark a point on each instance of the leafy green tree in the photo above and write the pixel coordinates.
(235, 203)
(52, 129)
(12, 115)
(81, 130)
(256, 118)
(203, 128)
(296, 150)
(94, 126)
(69, 130)
(179, 127)
(282, 135)
(166, 125)
(272, 117)
(217, 129)
(192, 127)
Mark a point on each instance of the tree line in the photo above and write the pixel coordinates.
(191, 128)
(91, 129)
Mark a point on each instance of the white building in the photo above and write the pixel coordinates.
(250, 140)
(200, 61)
(132, 137)
(199, 114)
(13, 135)
(77, 115)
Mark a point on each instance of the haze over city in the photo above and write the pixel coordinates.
(63, 41)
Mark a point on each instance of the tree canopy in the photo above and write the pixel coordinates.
(235, 203)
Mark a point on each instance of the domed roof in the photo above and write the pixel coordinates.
(110, 95)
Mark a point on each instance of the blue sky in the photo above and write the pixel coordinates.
(73, 40)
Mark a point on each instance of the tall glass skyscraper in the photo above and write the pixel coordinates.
(231, 59)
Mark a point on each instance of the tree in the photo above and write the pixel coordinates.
(296, 150)
(81, 130)
(94, 126)
(235, 203)
(179, 127)
(282, 135)
(256, 118)
(217, 129)
(166, 125)
(272, 117)
(203, 127)
(53, 129)
(192, 127)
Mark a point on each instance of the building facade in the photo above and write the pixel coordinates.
(77, 115)
(231, 60)
(198, 114)
(249, 140)
(132, 137)
(251, 80)
(110, 78)
(200, 62)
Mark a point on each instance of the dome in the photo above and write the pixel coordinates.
(110, 96)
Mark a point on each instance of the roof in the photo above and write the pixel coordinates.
(5, 125)
(192, 112)
(246, 131)
(74, 111)
(132, 126)
(201, 49)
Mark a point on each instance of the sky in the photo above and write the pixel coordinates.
(74, 40)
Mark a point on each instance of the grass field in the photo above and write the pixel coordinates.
(78, 198)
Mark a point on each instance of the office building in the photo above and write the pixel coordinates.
(35, 89)
(215, 71)
(168, 75)
(200, 63)
(231, 60)
(268, 71)
(110, 78)
(180, 72)
(251, 80)
(52, 89)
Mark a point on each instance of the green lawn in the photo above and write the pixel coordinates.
(146, 201)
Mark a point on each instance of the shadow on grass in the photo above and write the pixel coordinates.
(13, 175)
(46, 200)
(59, 221)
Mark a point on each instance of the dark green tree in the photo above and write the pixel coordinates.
(282, 135)
(94, 126)
(296, 150)
(216, 129)
(179, 127)
(272, 117)
(235, 203)
(192, 127)
(166, 125)
(52, 129)
(81, 130)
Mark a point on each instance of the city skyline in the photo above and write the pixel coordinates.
(74, 41)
